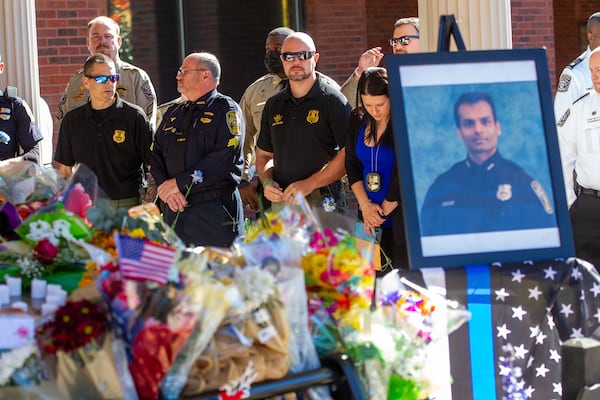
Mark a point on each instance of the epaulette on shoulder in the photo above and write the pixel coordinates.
(581, 97)
(576, 61)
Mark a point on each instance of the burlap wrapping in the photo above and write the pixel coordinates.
(225, 359)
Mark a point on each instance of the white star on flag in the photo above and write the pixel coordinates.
(503, 331)
(517, 276)
(549, 273)
(554, 356)
(565, 309)
(501, 294)
(521, 351)
(534, 293)
(518, 312)
(595, 289)
(541, 370)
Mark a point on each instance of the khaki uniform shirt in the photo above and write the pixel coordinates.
(134, 86)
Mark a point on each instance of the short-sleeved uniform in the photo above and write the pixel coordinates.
(575, 80)
(16, 127)
(304, 134)
(495, 196)
(114, 143)
(252, 105)
(579, 140)
(134, 86)
(206, 147)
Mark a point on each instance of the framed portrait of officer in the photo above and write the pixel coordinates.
(478, 158)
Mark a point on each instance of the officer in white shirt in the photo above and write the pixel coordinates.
(576, 79)
(579, 140)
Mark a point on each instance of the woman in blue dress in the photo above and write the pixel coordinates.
(371, 165)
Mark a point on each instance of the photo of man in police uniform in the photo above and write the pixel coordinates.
(485, 192)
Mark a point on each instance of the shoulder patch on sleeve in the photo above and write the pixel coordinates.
(564, 117)
(542, 196)
(148, 91)
(564, 82)
(234, 122)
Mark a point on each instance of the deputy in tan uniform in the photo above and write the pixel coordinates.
(134, 83)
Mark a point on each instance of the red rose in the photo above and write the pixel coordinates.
(45, 252)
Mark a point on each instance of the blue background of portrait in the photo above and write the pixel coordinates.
(435, 145)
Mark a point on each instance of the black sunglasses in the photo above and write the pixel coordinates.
(302, 55)
(403, 40)
(102, 79)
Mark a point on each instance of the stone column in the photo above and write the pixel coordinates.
(484, 25)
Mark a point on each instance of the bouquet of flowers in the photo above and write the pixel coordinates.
(78, 347)
(146, 302)
(254, 333)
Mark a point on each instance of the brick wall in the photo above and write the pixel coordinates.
(342, 30)
(569, 29)
(533, 27)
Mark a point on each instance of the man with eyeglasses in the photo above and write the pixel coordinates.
(197, 159)
(18, 132)
(134, 83)
(300, 149)
(252, 105)
(109, 135)
(405, 40)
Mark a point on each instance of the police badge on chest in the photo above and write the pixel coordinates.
(373, 182)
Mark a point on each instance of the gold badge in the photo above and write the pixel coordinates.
(542, 196)
(373, 182)
(118, 136)
(233, 142)
(277, 120)
(313, 116)
(205, 120)
(504, 192)
(234, 122)
(121, 90)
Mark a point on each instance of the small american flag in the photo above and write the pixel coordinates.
(140, 259)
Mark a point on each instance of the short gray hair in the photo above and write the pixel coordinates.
(210, 62)
(414, 21)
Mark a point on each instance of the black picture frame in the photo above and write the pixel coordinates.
(423, 90)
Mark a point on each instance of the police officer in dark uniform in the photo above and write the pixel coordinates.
(485, 192)
(109, 135)
(197, 157)
(18, 131)
(303, 131)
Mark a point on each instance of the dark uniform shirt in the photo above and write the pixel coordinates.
(303, 134)
(213, 145)
(16, 127)
(113, 143)
(495, 196)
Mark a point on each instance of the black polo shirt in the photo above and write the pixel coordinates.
(113, 143)
(303, 134)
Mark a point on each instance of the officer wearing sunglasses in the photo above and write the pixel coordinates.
(109, 135)
(134, 86)
(303, 131)
(404, 40)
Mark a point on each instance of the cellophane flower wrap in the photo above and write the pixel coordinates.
(254, 333)
(210, 298)
(406, 327)
(145, 291)
(277, 241)
(80, 351)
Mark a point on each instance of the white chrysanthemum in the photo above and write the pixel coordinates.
(255, 284)
(62, 228)
(39, 230)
